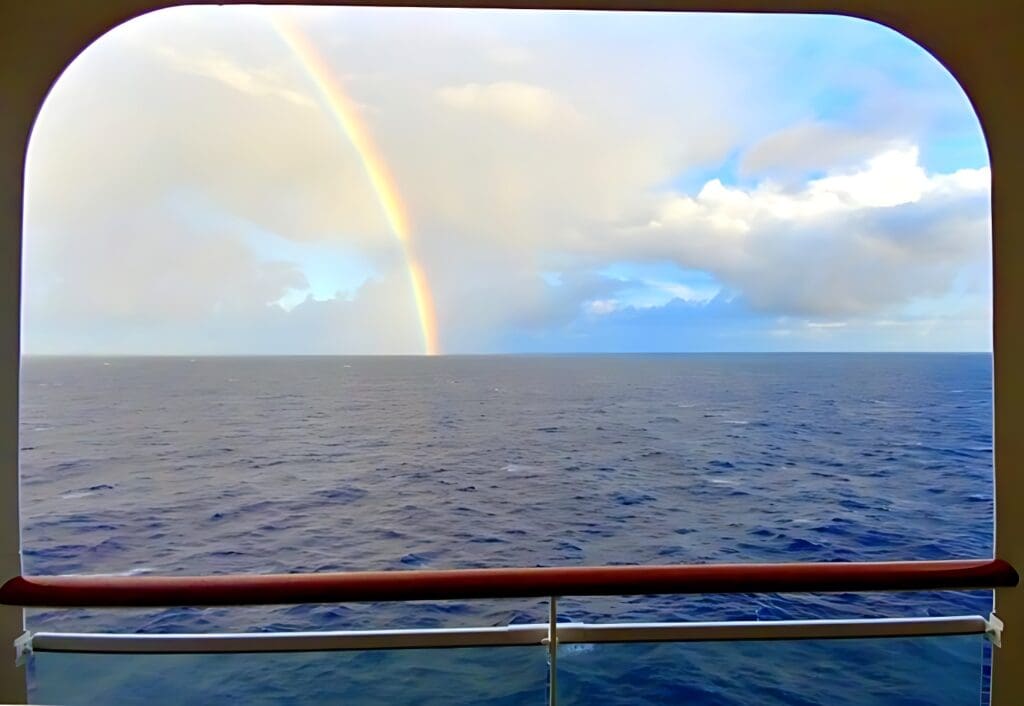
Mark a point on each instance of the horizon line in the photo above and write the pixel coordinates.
(495, 354)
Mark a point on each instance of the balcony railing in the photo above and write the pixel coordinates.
(271, 589)
(149, 591)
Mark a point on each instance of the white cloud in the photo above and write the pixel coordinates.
(522, 104)
(852, 243)
(891, 178)
(220, 68)
(600, 307)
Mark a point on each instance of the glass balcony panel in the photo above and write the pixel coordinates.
(912, 671)
(494, 675)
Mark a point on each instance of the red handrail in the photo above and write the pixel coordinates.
(267, 589)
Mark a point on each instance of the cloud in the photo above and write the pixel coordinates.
(731, 325)
(891, 178)
(811, 146)
(603, 306)
(153, 272)
(510, 55)
(522, 104)
(855, 242)
(220, 68)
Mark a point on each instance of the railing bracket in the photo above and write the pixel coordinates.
(22, 648)
(994, 630)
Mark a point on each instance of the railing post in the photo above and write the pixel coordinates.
(553, 652)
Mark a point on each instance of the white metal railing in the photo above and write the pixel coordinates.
(508, 636)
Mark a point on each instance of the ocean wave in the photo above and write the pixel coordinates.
(138, 571)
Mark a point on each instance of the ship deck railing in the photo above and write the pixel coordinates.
(541, 582)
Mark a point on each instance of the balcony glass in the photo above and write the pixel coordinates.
(911, 671)
(948, 670)
(496, 675)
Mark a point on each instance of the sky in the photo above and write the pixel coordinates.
(246, 180)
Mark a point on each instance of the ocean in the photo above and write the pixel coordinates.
(183, 466)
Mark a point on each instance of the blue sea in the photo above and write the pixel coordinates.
(177, 466)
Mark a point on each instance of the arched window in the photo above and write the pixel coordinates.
(312, 292)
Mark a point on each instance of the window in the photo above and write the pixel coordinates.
(680, 300)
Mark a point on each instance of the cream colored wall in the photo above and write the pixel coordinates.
(978, 41)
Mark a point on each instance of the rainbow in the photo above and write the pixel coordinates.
(346, 114)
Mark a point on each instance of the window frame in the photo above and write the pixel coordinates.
(977, 42)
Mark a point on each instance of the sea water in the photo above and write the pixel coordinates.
(178, 466)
